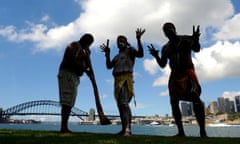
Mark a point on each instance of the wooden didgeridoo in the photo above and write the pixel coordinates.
(103, 119)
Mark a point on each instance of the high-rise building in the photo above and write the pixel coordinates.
(237, 102)
(221, 106)
(213, 107)
(186, 108)
(232, 107)
(91, 116)
(226, 105)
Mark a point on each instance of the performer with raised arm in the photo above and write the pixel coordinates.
(75, 62)
(122, 65)
(183, 83)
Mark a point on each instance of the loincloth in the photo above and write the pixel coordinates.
(119, 82)
(68, 84)
(183, 85)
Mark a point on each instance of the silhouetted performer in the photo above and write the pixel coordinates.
(123, 64)
(183, 83)
(75, 62)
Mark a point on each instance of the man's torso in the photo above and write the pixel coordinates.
(75, 59)
(179, 53)
(124, 61)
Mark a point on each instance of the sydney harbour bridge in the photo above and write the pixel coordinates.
(48, 108)
(40, 107)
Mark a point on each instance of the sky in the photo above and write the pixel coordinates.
(34, 35)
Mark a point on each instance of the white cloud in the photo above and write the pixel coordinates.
(104, 96)
(45, 18)
(151, 66)
(8, 31)
(109, 18)
(163, 79)
(164, 93)
(219, 61)
(231, 94)
(230, 29)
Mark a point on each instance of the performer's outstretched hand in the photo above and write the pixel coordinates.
(139, 33)
(152, 50)
(105, 48)
(196, 34)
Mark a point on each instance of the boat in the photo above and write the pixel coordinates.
(218, 125)
(154, 123)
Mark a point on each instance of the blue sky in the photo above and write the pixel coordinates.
(34, 34)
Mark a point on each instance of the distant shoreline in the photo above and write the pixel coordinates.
(16, 121)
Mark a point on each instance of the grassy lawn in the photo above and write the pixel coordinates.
(53, 137)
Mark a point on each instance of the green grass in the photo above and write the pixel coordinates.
(53, 137)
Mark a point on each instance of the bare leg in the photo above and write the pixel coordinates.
(65, 116)
(121, 111)
(125, 112)
(178, 117)
(198, 108)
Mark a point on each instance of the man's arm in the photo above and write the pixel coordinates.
(195, 36)
(106, 49)
(88, 69)
(139, 33)
(161, 61)
(108, 61)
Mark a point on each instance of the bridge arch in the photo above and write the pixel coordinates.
(27, 109)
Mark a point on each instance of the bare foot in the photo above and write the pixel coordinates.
(65, 131)
(180, 135)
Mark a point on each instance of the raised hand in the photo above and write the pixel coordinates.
(105, 48)
(152, 50)
(196, 33)
(139, 33)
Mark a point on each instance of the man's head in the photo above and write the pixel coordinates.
(122, 42)
(169, 30)
(86, 40)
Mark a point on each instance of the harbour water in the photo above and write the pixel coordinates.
(159, 130)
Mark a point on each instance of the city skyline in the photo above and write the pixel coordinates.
(225, 105)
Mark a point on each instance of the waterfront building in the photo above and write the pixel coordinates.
(91, 116)
(227, 105)
(232, 107)
(221, 104)
(237, 102)
(186, 108)
(213, 107)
